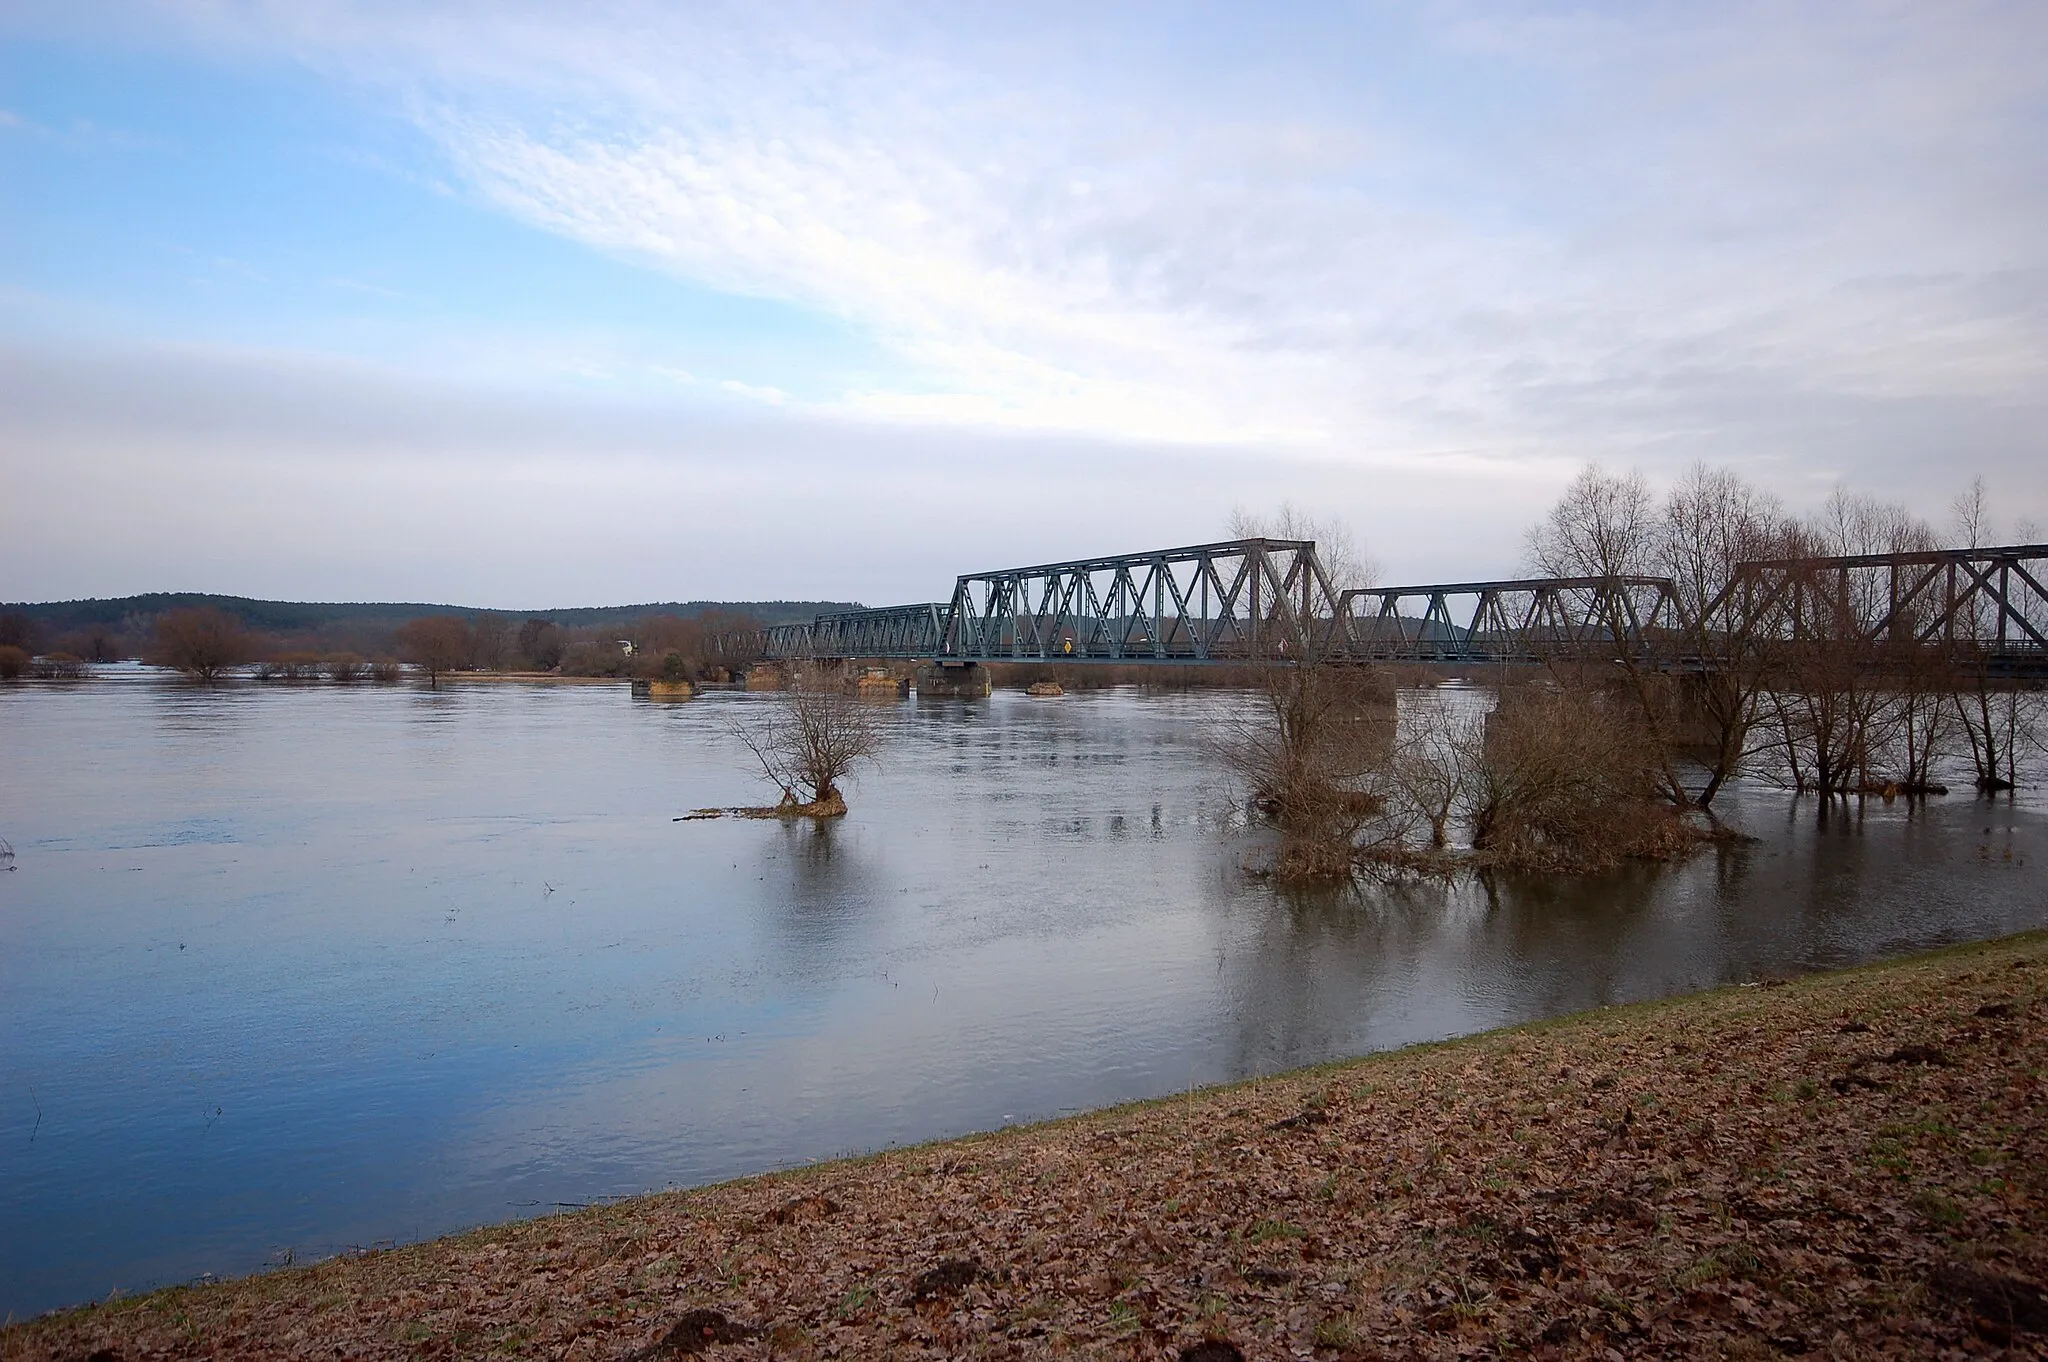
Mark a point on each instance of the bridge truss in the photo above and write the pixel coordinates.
(1270, 600)
(1222, 602)
(1986, 604)
(1529, 620)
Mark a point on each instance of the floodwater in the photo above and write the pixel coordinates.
(290, 970)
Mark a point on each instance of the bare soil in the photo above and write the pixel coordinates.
(1851, 1165)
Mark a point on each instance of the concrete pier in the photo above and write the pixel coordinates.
(952, 681)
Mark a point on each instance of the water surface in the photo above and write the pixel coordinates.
(289, 970)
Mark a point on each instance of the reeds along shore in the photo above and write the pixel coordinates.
(1849, 1165)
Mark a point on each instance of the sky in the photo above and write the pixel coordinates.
(519, 305)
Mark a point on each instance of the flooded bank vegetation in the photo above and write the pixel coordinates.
(808, 741)
(307, 644)
(1596, 758)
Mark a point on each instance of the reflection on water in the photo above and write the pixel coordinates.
(295, 969)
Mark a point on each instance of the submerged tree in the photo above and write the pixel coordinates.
(1998, 719)
(810, 739)
(1713, 522)
(1607, 527)
(435, 644)
(1568, 779)
(202, 642)
(1849, 699)
(1433, 766)
(1311, 746)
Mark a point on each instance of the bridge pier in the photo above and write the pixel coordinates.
(952, 681)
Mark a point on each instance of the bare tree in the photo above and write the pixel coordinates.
(1608, 526)
(1605, 525)
(17, 630)
(542, 643)
(1568, 779)
(1433, 764)
(1312, 743)
(1849, 703)
(1308, 748)
(1344, 560)
(96, 641)
(488, 640)
(1998, 719)
(201, 642)
(810, 739)
(1713, 521)
(435, 643)
(695, 639)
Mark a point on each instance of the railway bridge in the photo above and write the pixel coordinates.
(1271, 602)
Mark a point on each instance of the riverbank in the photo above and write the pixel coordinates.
(1852, 1164)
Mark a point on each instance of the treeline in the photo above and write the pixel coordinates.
(298, 641)
(114, 628)
(206, 644)
(1602, 754)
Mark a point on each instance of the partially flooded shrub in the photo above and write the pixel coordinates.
(1309, 751)
(1567, 779)
(435, 644)
(809, 740)
(385, 671)
(203, 642)
(292, 666)
(13, 662)
(346, 668)
(59, 667)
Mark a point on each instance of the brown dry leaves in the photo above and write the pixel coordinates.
(1846, 1166)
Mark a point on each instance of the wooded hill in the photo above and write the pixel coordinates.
(58, 617)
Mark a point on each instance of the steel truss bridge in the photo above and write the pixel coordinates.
(1271, 600)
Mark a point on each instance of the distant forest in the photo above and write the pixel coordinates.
(581, 639)
(60, 617)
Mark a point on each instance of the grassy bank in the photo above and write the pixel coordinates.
(1845, 1165)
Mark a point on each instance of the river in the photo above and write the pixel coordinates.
(289, 970)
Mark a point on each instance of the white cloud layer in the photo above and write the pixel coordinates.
(207, 470)
(1423, 241)
(1441, 229)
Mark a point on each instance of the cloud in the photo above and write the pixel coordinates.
(774, 397)
(1685, 213)
(248, 471)
(149, 468)
(1414, 263)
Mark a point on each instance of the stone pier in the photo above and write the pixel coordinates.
(952, 681)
